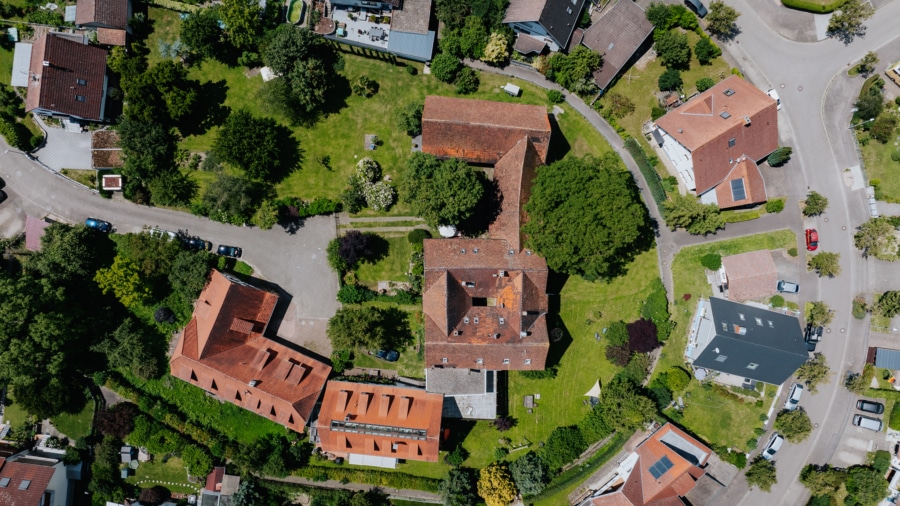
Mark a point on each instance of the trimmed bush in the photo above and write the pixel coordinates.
(894, 422)
(712, 261)
(370, 476)
(777, 301)
(814, 7)
(649, 173)
(418, 236)
(705, 83)
(555, 96)
(792, 252)
(775, 206)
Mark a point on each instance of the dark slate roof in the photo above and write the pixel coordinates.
(747, 335)
(616, 36)
(560, 17)
(887, 359)
(67, 77)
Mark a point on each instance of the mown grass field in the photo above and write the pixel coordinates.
(155, 472)
(75, 425)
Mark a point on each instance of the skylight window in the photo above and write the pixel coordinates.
(752, 366)
(725, 115)
(4, 482)
(721, 358)
(79, 98)
(24, 485)
(729, 92)
(81, 82)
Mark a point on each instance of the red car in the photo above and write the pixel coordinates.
(812, 239)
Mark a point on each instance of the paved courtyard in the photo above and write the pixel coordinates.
(65, 150)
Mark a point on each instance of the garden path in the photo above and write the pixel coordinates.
(393, 493)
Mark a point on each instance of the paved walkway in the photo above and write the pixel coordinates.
(393, 493)
(64, 150)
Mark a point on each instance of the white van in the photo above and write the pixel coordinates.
(867, 423)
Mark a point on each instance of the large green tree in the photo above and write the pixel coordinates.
(442, 192)
(721, 18)
(847, 23)
(306, 62)
(563, 446)
(814, 371)
(231, 199)
(253, 144)
(816, 203)
(189, 274)
(458, 488)
(495, 485)
(586, 217)
(368, 327)
(201, 33)
(529, 474)
(573, 71)
(819, 314)
(761, 474)
(673, 49)
(242, 22)
(686, 211)
(128, 348)
(825, 263)
(163, 94)
(822, 480)
(866, 485)
(794, 425)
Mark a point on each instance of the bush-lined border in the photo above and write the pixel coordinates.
(650, 175)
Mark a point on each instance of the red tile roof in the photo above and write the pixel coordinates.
(12, 493)
(514, 173)
(751, 275)
(407, 421)
(223, 351)
(58, 67)
(214, 479)
(708, 123)
(752, 182)
(112, 36)
(102, 14)
(481, 131)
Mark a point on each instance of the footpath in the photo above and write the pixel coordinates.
(393, 493)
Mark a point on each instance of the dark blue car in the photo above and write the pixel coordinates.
(389, 355)
(94, 223)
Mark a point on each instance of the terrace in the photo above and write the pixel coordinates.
(364, 27)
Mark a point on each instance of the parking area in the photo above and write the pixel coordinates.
(65, 150)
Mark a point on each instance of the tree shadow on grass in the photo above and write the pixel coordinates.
(455, 432)
(289, 155)
(559, 145)
(486, 211)
(379, 248)
(210, 110)
(560, 340)
(396, 325)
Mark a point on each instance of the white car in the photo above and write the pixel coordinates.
(774, 95)
(793, 400)
(163, 234)
(772, 447)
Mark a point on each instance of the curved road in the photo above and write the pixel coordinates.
(296, 261)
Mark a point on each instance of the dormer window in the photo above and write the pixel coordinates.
(81, 82)
(79, 98)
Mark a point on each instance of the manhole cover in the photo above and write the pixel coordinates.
(828, 330)
(844, 228)
(799, 88)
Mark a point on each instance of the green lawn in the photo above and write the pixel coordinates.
(14, 414)
(641, 87)
(155, 472)
(877, 159)
(722, 419)
(427, 469)
(77, 425)
(392, 267)
(583, 361)
(410, 363)
(689, 278)
(340, 136)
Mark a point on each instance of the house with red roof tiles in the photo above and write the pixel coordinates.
(621, 36)
(481, 131)
(66, 78)
(32, 480)
(223, 351)
(378, 425)
(663, 470)
(750, 275)
(108, 17)
(716, 140)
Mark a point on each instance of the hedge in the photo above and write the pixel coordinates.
(895, 417)
(579, 473)
(372, 477)
(650, 175)
(814, 7)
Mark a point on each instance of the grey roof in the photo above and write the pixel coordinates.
(705, 492)
(414, 46)
(753, 343)
(21, 65)
(412, 18)
(558, 17)
(468, 393)
(887, 359)
(617, 35)
(70, 14)
(686, 449)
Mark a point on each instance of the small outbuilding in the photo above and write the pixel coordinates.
(750, 275)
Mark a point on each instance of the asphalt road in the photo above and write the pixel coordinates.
(296, 262)
(817, 98)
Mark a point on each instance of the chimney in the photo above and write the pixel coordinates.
(384, 406)
(746, 120)
(455, 332)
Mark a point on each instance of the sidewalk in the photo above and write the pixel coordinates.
(393, 493)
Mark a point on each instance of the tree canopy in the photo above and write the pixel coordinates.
(866, 485)
(574, 71)
(586, 217)
(815, 204)
(819, 314)
(673, 49)
(814, 372)
(442, 192)
(242, 22)
(495, 485)
(825, 264)
(877, 238)
(306, 62)
(529, 474)
(720, 20)
(794, 425)
(847, 23)
(822, 480)
(458, 488)
(201, 33)
(564, 445)
(761, 474)
(686, 211)
(255, 145)
(368, 327)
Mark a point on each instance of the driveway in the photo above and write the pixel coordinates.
(295, 263)
(65, 150)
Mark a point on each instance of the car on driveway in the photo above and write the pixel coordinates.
(875, 408)
(867, 422)
(793, 400)
(812, 239)
(774, 96)
(787, 287)
(813, 337)
(696, 6)
(197, 243)
(229, 251)
(772, 446)
(94, 223)
(389, 355)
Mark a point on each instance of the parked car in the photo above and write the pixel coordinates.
(163, 234)
(774, 95)
(876, 408)
(812, 239)
(2, 196)
(389, 355)
(94, 223)
(793, 400)
(196, 243)
(230, 251)
(813, 336)
(787, 287)
(772, 446)
(867, 422)
(696, 6)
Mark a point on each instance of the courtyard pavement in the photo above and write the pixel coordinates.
(64, 150)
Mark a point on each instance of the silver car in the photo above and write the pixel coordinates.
(773, 446)
(787, 287)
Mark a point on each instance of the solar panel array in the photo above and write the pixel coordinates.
(660, 467)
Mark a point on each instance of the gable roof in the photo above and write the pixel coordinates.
(558, 17)
(414, 17)
(526, 44)
(745, 180)
(514, 173)
(617, 35)
(378, 420)
(751, 275)
(752, 342)
(111, 36)
(59, 66)
(223, 351)
(481, 131)
(23, 484)
(102, 13)
(707, 124)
